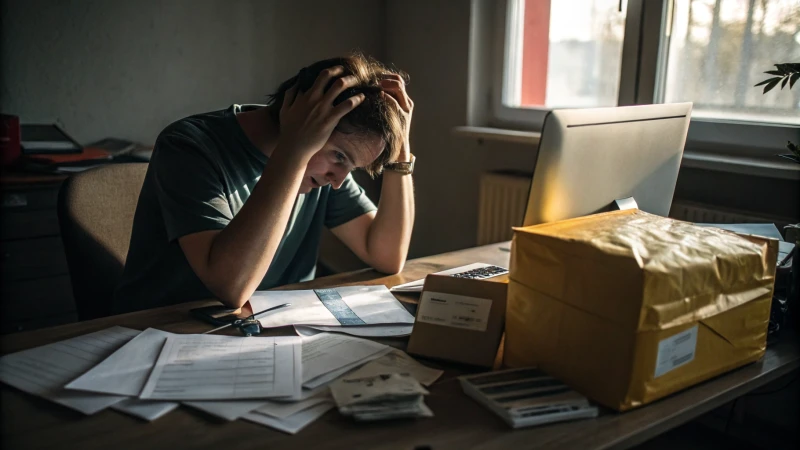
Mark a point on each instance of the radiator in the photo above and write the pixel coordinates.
(501, 205)
(700, 213)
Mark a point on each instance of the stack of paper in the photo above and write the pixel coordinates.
(358, 310)
(326, 357)
(380, 397)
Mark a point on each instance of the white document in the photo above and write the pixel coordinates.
(44, 371)
(676, 351)
(326, 353)
(374, 305)
(457, 311)
(361, 331)
(234, 409)
(416, 285)
(397, 362)
(293, 423)
(207, 367)
(145, 409)
(322, 380)
(284, 410)
(125, 372)
(226, 409)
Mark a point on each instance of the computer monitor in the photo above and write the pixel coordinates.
(588, 158)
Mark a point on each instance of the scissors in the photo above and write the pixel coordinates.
(249, 325)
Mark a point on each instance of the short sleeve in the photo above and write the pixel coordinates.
(189, 187)
(347, 203)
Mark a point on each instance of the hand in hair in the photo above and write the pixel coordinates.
(308, 118)
(395, 86)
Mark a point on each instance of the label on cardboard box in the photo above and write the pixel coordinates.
(458, 311)
(676, 351)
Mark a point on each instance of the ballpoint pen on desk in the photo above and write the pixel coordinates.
(247, 324)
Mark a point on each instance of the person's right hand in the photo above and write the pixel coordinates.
(308, 118)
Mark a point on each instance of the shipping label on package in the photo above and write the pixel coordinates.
(458, 311)
(676, 351)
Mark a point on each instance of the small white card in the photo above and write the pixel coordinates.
(676, 351)
(457, 311)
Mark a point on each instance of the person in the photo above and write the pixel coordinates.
(235, 200)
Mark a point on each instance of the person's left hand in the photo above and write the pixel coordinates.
(394, 91)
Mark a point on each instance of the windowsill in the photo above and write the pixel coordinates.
(498, 134)
(696, 160)
(742, 165)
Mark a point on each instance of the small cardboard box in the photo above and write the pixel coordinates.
(460, 319)
(627, 307)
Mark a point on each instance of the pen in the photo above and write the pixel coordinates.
(237, 322)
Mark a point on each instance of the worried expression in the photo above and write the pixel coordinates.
(342, 154)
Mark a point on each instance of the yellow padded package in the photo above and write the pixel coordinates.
(628, 307)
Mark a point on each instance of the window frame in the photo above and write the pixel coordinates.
(641, 82)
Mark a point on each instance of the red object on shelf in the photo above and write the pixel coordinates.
(88, 154)
(9, 139)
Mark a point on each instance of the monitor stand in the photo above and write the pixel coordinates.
(623, 204)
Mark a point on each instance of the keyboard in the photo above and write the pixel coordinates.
(482, 272)
(475, 271)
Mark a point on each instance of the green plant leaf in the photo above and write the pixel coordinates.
(793, 79)
(767, 81)
(793, 148)
(771, 84)
(775, 72)
(785, 80)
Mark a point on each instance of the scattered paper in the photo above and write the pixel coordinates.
(397, 361)
(125, 372)
(284, 410)
(373, 305)
(328, 353)
(361, 330)
(145, 409)
(44, 371)
(206, 367)
(293, 423)
(380, 397)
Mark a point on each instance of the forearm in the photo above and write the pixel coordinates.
(242, 252)
(390, 232)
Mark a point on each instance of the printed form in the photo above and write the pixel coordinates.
(202, 367)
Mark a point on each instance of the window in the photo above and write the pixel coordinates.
(564, 54)
(594, 53)
(718, 49)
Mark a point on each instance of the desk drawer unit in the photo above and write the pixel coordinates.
(35, 289)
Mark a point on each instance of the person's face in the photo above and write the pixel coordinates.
(341, 155)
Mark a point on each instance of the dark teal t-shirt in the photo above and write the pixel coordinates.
(202, 171)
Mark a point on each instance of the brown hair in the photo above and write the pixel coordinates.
(374, 115)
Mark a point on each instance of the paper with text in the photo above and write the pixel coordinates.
(234, 409)
(44, 371)
(207, 367)
(374, 305)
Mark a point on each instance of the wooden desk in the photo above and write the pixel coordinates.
(460, 423)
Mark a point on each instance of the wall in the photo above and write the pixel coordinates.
(127, 69)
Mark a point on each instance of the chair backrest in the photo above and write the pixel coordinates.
(95, 214)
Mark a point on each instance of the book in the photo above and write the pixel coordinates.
(527, 397)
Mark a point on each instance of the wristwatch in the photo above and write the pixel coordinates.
(405, 168)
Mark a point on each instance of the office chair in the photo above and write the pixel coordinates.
(95, 214)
